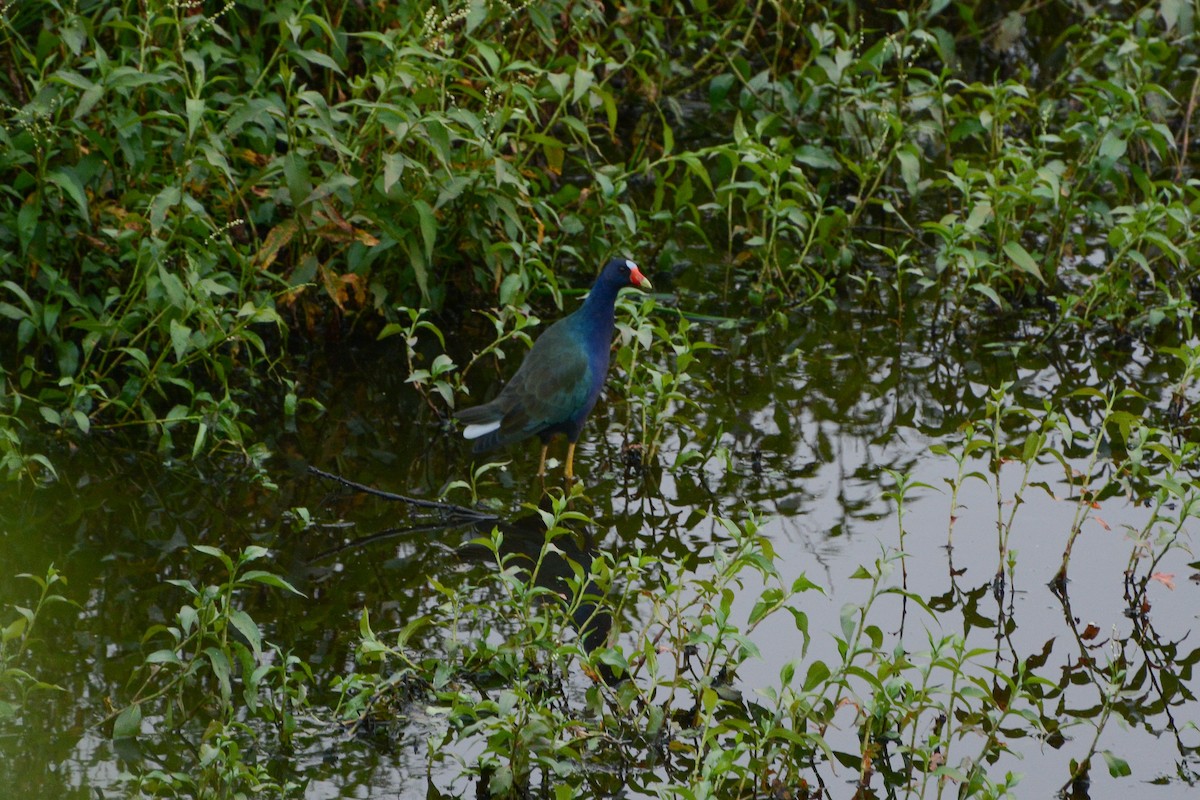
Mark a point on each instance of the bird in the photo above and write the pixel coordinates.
(560, 379)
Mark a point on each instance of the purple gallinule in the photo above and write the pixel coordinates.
(558, 383)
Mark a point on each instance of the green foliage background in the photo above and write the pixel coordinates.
(190, 190)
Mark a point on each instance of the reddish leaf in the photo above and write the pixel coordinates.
(276, 240)
(1167, 579)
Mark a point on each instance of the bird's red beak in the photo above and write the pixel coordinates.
(638, 279)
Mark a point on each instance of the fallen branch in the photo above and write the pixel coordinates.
(461, 512)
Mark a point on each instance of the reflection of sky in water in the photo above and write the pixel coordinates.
(810, 419)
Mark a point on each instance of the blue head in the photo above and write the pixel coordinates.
(619, 273)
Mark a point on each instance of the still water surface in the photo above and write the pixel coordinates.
(812, 419)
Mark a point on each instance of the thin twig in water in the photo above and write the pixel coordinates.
(450, 508)
(358, 544)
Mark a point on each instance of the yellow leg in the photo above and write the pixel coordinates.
(571, 461)
(542, 463)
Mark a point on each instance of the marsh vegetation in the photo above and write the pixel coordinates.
(892, 491)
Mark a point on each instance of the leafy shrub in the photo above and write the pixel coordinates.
(188, 185)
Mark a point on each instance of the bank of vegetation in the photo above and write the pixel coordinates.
(192, 191)
(194, 194)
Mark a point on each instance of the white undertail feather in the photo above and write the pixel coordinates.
(475, 431)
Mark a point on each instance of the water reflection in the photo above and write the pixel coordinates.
(814, 425)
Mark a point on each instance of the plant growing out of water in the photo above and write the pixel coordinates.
(16, 460)
(1122, 453)
(903, 486)
(660, 383)
(583, 670)
(439, 374)
(973, 441)
(472, 486)
(1003, 415)
(16, 684)
(213, 654)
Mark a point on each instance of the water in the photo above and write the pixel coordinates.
(812, 420)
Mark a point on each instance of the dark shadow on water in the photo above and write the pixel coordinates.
(523, 542)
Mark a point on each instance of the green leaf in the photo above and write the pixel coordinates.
(215, 552)
(163, 656)
(271, 579)
(1117, 766)
(246, 626)
(188, 618)
(583, 82)
(73, 34)
(68, 180)
(128, 723)
(610, 109)
(849, 619)
(412, 627)
(980, 213)
(297, 178)
(320, 59)
(391, 329)
(1113, 146)
(817, 157)
(195, 113)
(1171, 484)
(439, 139)
(254, 552)
(803, 584)
(21, 293)
(221, 670)
(817, 674)
(27, 221)
(1033, 444)
(1171, 11)
(72, 79)
(87, 101)
(161, 205)
(501, 781)
(181, 339)
(364, 625)
(14, 629)
(477, 13)
(559, 81)
(428, 223)
(1020, 256)
(201, 435)
(989, 293)
(739, 129)
(910, 168)
(393, 168)
(718, 88)
(133, 77)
